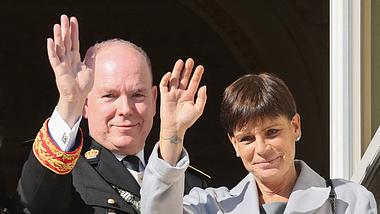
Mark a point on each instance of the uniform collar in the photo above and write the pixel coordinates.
(140, 155)
(112, 170)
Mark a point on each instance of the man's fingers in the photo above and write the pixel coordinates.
(74, 28)
(66, 34)
(195, 79)
(200, 102)
(53, 58)
(186, 73)
(59, 48)
(177, 69)
(164, 84)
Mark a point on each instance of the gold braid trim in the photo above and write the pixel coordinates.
(51, 156)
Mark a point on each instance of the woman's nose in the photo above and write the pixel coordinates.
(261, 147)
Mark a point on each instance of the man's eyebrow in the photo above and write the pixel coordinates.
(106, 89)
(140, 89)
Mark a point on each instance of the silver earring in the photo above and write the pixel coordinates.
(298, 138)
(237, 154)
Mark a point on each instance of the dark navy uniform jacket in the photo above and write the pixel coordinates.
(87, 188)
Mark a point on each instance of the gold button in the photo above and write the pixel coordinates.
(111, 201)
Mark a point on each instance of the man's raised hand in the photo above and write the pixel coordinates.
(74, 80)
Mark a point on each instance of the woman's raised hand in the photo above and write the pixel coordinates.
(179, 108)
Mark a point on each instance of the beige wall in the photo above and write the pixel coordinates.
(375, 71)
(370, 70)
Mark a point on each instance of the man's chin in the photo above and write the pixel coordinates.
(128, 147)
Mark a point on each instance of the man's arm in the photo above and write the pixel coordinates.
(73, 78)
(46, 183)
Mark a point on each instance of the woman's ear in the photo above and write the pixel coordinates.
(233, 142)
(296, 123)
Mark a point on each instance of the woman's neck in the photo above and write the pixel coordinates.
(278, 189)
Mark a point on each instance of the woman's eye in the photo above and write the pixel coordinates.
(247, 139)
(272, 132)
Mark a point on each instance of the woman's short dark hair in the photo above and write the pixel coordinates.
(254, 97)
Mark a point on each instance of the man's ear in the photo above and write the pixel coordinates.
(296, 123)
(154, 99)
(85, 109)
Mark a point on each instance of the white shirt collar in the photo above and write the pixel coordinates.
(137, 175)
(139, 154)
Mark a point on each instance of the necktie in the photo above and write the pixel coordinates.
(132, 162)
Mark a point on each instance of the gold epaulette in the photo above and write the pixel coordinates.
(51, 156)
(199, 172)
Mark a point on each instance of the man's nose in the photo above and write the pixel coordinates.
(125, 107)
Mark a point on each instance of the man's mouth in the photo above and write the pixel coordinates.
(125, 127)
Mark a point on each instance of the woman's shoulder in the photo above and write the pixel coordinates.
(359, 199)
(220, 193)
(348, 186)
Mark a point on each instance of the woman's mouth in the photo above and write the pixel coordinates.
(265, 164)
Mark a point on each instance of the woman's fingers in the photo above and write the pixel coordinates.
(164, 84)
(200, 102)
(186, 73)
(177, 69)
(195, 80)
(179, 83)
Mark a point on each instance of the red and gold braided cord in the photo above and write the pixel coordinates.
(51, 156)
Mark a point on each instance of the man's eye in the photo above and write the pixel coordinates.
(139, 95)
(108, 96)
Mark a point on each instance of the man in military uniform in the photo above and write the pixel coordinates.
(70, 172)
